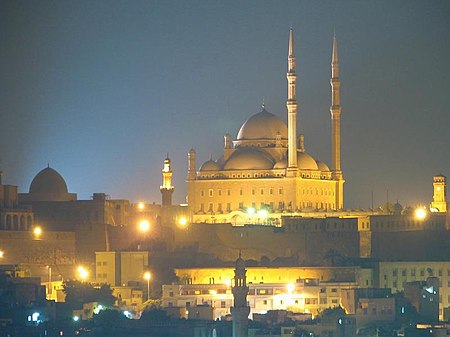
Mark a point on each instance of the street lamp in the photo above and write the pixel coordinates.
(148, 276)
(82, 273)
(141, 206)
(2, 254)
(420, 213)
(37, 232)
(144, 226)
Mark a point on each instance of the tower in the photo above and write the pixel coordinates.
(167, 187)
(192, 165)
(240, 309)
(335, 111)
(439, 202)
(291, 105)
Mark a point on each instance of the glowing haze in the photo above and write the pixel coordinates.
(103, 90)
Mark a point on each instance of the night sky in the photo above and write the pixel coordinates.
(102, 90)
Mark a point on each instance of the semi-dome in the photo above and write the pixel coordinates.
(281, 164)
(322, 166)
(306, 162)
(263, 125)
(249, 159)
(210, 165)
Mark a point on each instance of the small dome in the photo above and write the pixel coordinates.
(282, 164)
(49, 184)
(306, 162)
(249, 159)
(263, 125)
(322, 166)
(210, 165)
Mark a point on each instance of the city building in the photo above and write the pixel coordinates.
(424, 296)
(369, 305)
(397, 274)
(12, 215)
(297, 289)
(267, 169)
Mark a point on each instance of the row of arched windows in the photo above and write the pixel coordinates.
(16, 222)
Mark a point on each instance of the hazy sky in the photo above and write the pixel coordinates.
(102, 90)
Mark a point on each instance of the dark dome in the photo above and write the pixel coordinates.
(263, 125)
(49, 183)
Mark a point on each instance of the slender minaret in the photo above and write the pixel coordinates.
(240, 309)
(167, 187)
(291, 106)
(335, 110)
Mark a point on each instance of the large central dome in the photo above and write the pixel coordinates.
(263, 125)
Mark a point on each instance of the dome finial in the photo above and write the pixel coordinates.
(263, 105)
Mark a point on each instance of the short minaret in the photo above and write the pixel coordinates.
(439, 202)
(240, 309)
(291, 106)
(335, 110)
(192, 165)
(167, 187)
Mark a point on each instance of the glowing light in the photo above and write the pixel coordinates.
(420, 213)
(182, 221)
(76, 318)
(2, 254)
(35, 316)
(251, 211)
(141, 206)
(228, 282)
(290, 288)
(82, 273)
(263, 213)
(213, 292)
(147, 276)
(144, 226)
(37, 231)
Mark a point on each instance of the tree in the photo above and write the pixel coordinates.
(330, 314)
(78, 293)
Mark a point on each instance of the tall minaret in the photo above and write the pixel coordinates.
(335, 110)
(167, 187)
(291, 106)
(240, 309)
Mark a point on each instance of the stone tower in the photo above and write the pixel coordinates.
(167, 187)
(291, 105)
(439, 202)
(335, 111)
(240, 310)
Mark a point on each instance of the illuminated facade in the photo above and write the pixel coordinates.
(266, 168)
(439, 203)
(298, 289)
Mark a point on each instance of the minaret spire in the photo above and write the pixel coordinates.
(291, 106)
(335, 111)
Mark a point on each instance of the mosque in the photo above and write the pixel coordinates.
(266, 171)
